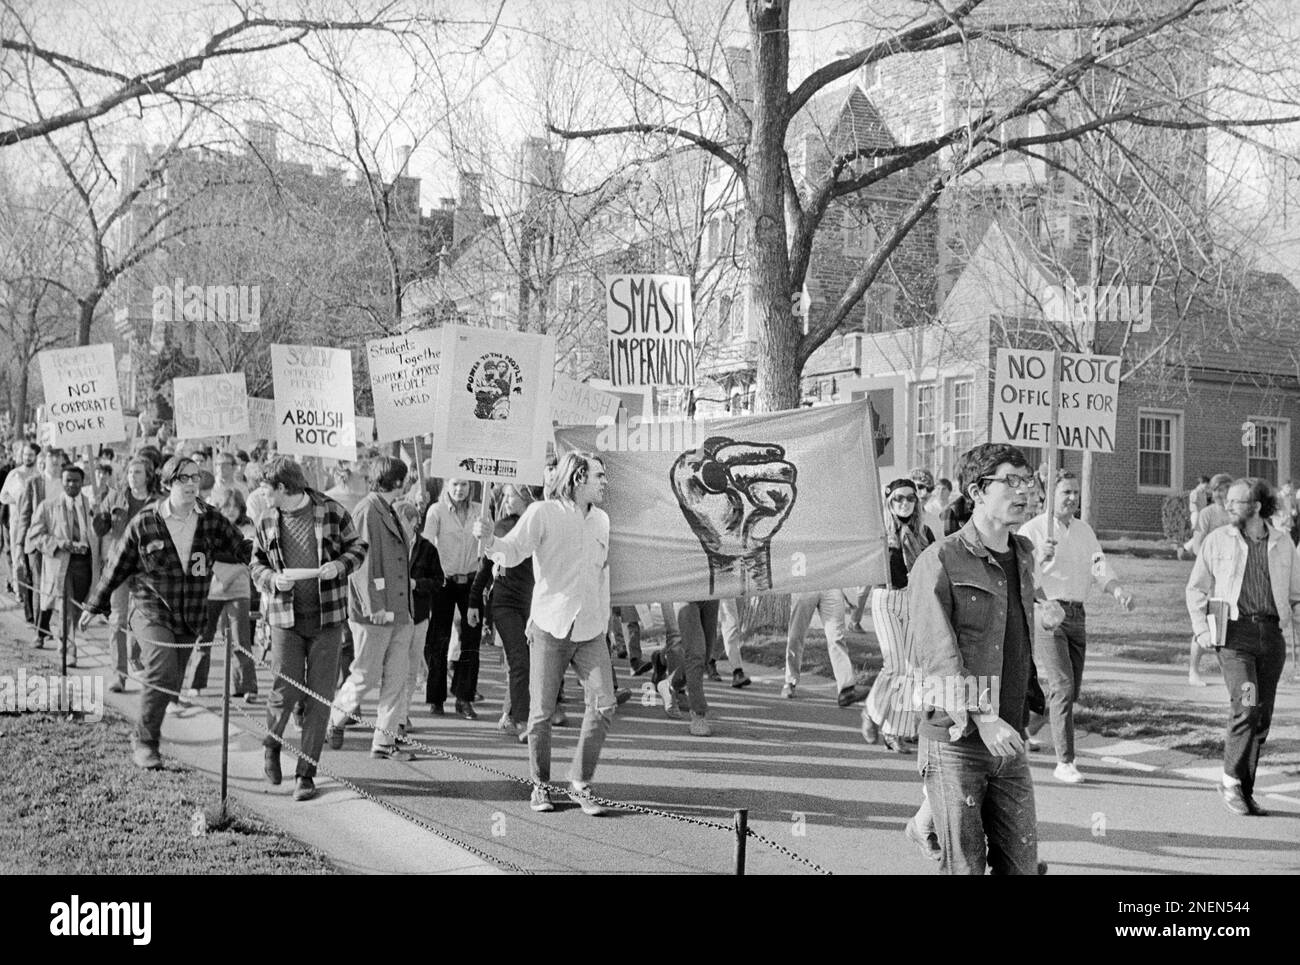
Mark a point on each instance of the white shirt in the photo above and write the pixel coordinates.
(570, 554)
(454, 538)
(15, 483)
(1077, 564)
(181, 528)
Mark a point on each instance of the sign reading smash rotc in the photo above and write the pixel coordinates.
(651, 325)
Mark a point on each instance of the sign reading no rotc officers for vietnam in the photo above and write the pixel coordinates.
(1088, 394)
(314, 414)
(81, 395)
(651, 330)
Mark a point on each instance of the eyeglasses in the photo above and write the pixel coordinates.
(923, 488)
(185, 477)
(1012, 479)
(902, 499)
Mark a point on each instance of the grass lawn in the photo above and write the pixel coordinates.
(75, 804)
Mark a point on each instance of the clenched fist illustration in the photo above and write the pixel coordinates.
(735, 496)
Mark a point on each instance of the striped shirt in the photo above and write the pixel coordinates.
(1256, 597)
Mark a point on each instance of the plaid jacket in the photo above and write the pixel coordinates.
(336, 539)
(170, 593)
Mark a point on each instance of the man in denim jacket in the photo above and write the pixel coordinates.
(972, 597)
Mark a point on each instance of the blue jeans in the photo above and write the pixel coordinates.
(549, 657)
(164, 666)
(983, 808)
(310, 659)
(1251, 661)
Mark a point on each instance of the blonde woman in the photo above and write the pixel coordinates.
(888, 710)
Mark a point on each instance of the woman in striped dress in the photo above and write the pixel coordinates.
(888, 710)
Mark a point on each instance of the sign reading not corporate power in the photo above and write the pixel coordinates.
(210, 405)
(314, 414)
(651, 325)
(1088, 394)
(493, 415)
(81, 395)
(404, 382)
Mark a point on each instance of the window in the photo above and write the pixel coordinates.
(1160, 446)
(738, 318)
(963, 410)
(714, 247)
(925, 424)
(724, 317)
(1270, 452)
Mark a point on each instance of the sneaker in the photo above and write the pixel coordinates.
(558, 717)
(1234, 800)
(175, 707)
(541, 798)
(336, 738)
(192, 692)
(700, 726)
(641, 667)
(621, 696)
(1067, 773)
(252, 700)
(505, 724)
(669, 697)
(304, 788)
(852, 695)
(740, 679)
(466, 710)
(391, 754)
(788, 690)
(145, 757)
(927, 843)
(711, 671)
(580, 794)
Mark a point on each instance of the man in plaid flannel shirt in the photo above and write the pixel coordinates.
(305, 531)
(169, 547)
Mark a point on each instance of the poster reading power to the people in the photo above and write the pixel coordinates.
(314, 414)
(493, 414)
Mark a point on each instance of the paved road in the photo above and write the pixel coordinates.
(799, 766)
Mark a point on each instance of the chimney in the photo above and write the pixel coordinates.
(262, 138)
(740, 67)
(539, 170)
(468, 218)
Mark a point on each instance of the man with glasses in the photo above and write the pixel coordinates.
(227, 480)
(972, 596)
(1250, 572)
(169, 547)
(1067, 565)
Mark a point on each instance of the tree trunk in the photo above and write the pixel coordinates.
(86, 318)
(769, 266)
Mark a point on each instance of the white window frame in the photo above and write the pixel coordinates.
(1175, 451)
(920, 459)
(1283, 428)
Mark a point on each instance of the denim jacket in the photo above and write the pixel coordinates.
(1221, 567)
(957, 618)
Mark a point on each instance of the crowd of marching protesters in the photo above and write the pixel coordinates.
(371, 580)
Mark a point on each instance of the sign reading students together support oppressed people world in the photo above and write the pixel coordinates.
(404, 382)
(740, 507)
(210, 405)
(1088, 395)
(493, 415)
(314, 412)
(81, 395)
(651, 324)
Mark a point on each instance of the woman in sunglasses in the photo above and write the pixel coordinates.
(888, 711)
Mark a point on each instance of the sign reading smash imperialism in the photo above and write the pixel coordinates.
(740, 507)
(210, 405)
(314, 413)
(492, 417)
(81, 395)
(651, 324)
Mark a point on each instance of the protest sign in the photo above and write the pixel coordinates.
(404, 382)
(492, 417)
(261, 423)
(210, 405)
(744, 506)
(81, 395)
(580, 403)
(314, 413)
(651, 326)
(1088, 397)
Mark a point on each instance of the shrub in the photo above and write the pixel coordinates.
(1175, 519)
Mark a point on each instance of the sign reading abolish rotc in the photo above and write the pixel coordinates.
(1087, 396)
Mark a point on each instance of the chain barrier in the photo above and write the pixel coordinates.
(407, 741)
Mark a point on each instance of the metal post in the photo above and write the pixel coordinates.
(742, 828)
(1049, 496)
(225, 731)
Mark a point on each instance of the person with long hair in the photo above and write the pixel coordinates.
(888, 712)
(229, 610)
(568, 533)
(506, 599)
(447, 526)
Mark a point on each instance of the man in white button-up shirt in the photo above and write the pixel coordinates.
(568, 537)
